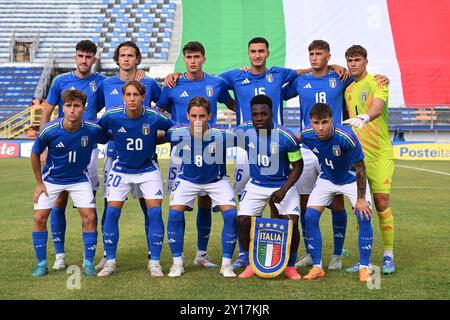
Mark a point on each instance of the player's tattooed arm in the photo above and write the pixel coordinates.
(361, 181)
(297, 168)
(171, 79)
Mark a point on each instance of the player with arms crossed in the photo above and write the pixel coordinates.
(194, 83)
(70, 142)
(271, 149)
(127, 56)
(338, 150)
(90, 83)
(134, 129)
(367, 104)
(202, 150)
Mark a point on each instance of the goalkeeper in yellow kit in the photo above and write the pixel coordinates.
(367, 104)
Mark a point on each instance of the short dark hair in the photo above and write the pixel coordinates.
(72, 95)
(261, 99)
(199, 102)
(128, 44)
(137, 84)
(259, 40)
(319, 45)
(356, 50)
(194, 46)
(320, 111)
(86, 46)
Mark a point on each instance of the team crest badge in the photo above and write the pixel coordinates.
(92, 86)
(269, 78)
(145, 129)
(209, 91)
(84, 141)
(336, 150)
(212, 147)
(364, 96)
(273, 148)
(270, 242)
(332, 82)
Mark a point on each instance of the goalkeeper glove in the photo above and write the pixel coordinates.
(358, 122)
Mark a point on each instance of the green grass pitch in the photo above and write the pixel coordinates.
(420, 201)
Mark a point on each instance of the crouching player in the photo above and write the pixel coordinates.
(70, 142)
(134, 128)
(271, 150)
(338, 150)
(202, 150)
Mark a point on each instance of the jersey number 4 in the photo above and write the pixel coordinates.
(329, 163)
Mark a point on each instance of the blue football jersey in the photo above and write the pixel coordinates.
(112, 88)
(328, 89)
(203, 160)
(69, 153)
(91, 86)
(134, 139)
(175, 100)
(246, 85)
(267, 154)
(337, 154)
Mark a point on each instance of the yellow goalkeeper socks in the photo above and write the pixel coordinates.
(386, 220)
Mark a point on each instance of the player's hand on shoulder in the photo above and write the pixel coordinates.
(363, 207)
(140, 74)
(40, 188)
(381, 78)
(342, 72)
(358, 122)
(171, 80)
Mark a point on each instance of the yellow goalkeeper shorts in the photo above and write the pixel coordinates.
(380, 173)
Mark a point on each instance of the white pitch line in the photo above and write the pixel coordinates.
(421, 169)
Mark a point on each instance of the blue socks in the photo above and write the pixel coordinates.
(144, 210)
(365, 239)
(175, 232)
(314, 236)
(229, 232)
(155, 231)
(303, 223)
(203, 228)
(292, 259)
(58, 228)
(111, 232)
(40, 245)
(339, 220)
(90, 244)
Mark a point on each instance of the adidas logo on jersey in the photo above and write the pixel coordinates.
(246, 81)
(315, 150)
(307, 86)
(297, 209)
(122, 130)
(187, 148)
(60, 145)
(114, 92)
(251, 145)
(184, 94)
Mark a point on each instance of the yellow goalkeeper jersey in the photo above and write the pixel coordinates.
(374, 136)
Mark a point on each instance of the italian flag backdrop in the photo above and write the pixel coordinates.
(407, 40)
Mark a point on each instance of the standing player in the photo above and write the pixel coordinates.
(202, 150)
(271, 149)
(338, 151)
(194, 83)
(134, 129)
(322, 85)
(367, 104)
(91, 85)
(127, 56)
(70, 142)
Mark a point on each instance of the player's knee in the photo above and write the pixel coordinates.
(40, 221)
(89, 222)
